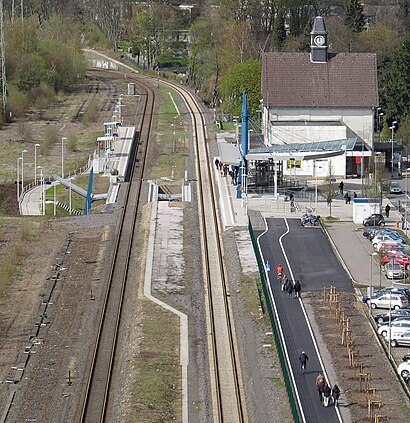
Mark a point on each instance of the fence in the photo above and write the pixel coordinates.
(275, 331)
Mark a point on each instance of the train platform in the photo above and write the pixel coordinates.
(115, 164)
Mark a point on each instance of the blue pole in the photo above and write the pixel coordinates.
(243, 166)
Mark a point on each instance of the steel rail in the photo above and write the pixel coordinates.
(229, 395)
(94, 404)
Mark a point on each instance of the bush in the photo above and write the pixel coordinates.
(72, 142)
(90, 114)
(44, 95)
(25, 131)
(50, 136)
(18, 102)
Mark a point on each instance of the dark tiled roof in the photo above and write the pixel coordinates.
(345, 80)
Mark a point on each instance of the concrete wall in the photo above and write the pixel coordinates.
(358, 122)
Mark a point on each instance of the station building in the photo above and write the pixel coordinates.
(318, 113)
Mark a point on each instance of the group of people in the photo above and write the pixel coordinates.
(286, 284)
(347, 196)
(226, 170)
(327, 394)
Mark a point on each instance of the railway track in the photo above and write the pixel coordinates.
(95, 400)
(228, 396)
(227, 392)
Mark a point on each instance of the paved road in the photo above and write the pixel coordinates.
(310, 259)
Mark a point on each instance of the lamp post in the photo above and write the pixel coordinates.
(22, 170)
(361, 165)
(43, 202)
(392, 147)
(405, 204)
(371, 283)
(378, 114)
(35, 163)
(380, 122)
(18, 178)
(62, 155)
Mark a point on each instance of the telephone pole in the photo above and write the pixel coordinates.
(3, 61)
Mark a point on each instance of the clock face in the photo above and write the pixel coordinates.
(319, 40)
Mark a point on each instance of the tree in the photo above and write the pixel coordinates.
(354, 18)
(394, 83)
(329, 189)
(279, 32)
(243, 77)
(403, 132)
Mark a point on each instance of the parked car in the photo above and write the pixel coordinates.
(399, 291)
(402, 259)
(406, 357)
(401, 340)
(395, 187)
(388, 245)
(393, 300)
(397, 328)
(404, 369)
(376, 219)
(394, 271)
(395, 314)
(386, 236)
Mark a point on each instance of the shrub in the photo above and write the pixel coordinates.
(50, 136)
(90, 114)
(18, 102)
(24, 129)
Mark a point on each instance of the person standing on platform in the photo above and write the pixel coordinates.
(290, 289)
(336, 395)
(303, 359)
(297, 289)
(341, 186)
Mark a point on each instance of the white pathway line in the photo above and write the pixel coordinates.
(184, 346)
(111, 59)
(322, 365)
(175, 104)
(279, 324)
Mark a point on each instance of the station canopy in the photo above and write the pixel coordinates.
(304, 151)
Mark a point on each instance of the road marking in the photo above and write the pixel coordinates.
(280, 326)
(306, 317)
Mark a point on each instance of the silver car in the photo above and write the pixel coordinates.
(394, 271)
(401, 340)
(395, 187)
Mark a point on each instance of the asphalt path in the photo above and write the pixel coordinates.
(308, 257)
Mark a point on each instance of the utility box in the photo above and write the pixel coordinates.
(364, 207)
(131, 88)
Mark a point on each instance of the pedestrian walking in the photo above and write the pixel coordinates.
(336, 395)
(303, 359)
(346, 196)
(354, 194)
(349, 199)
(341, 186)
(327, 392)
(320, 385)
(290, 288)
(217, 164)
(387, 209)
(284, 283)
(297, 289)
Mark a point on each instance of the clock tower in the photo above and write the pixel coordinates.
(318, 41)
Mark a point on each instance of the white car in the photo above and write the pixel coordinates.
(395, 187)
(388, 244)
(404, 369)
(397, 329)
(394, 301)
(382, 237)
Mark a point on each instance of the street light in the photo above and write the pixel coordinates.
(35, 163)
(379, 122)
(18, 178)
(43, 202)
(62, 156)
(392, 147)
(371, 283)
(22, 170)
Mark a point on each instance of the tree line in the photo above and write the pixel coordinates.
(218, 43)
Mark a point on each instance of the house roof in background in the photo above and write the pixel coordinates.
(345, 80)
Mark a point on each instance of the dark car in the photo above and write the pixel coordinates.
(395, 314)
(406, 357)
(376, 219)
